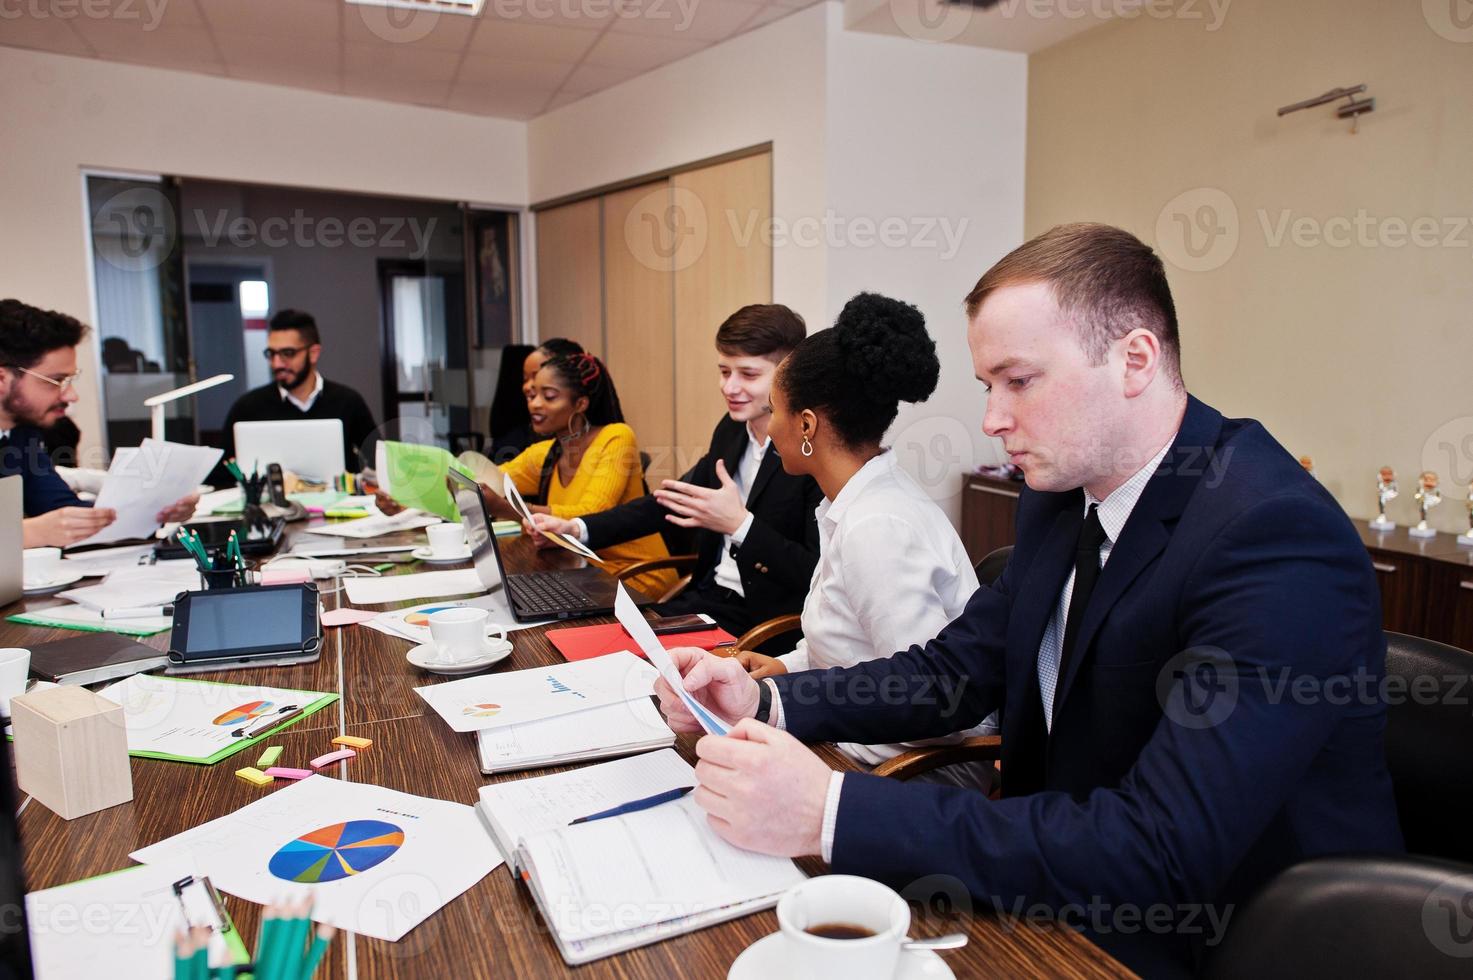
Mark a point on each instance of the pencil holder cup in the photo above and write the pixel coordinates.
(229, 578)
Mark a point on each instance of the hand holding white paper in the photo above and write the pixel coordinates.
(635, 624)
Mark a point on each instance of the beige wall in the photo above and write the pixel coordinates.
(1356, 353)
(60, 115)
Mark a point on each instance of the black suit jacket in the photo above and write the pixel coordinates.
(777, 557)
(1219, 721)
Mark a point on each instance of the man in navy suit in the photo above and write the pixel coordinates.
(38, 370)
(1185, 646)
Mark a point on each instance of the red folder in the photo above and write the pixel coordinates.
(585, 642)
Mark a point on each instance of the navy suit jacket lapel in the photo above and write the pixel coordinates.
(1148, 530)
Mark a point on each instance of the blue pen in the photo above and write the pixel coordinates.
(636, 805)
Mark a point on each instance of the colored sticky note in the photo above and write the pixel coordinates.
(331, 757)
(280, 772)
(269, 757)
(253, 776)
(346, 616)
(353, 742)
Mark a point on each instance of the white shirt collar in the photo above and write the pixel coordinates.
(832, 510)
(1116, 507)
(758, 448)
(304, 404)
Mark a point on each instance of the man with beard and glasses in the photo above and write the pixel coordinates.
(38, 371)
(298, 391)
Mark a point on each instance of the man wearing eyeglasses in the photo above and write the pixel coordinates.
(298, 391)
(38, 368)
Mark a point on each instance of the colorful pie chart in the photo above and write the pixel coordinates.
(481, 710)
(421, 617)
(244, 712)
(336, 852)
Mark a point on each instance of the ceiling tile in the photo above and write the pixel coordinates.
(265, 59)
(182, 48)
(412, 91)
(588, 15)
(512, 74)
(44, 34)
(507, 102)
(530, 41)
(640, 52)
(399, 61)
(592, 78)
(431, 29)
(701, 20)
(295, 18)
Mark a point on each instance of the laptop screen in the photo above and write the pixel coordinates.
(478, 534)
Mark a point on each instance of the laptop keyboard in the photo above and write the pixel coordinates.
(548, 592)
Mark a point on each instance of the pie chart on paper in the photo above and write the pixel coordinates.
(481, 710)
(336, 852)
(243, 713)
(421, 617)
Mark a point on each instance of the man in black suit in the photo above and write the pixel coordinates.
(754, 525)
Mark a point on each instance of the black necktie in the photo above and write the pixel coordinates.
(1086, 574)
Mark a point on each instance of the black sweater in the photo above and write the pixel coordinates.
(265, 404)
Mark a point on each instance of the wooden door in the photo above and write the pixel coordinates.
(569, 274)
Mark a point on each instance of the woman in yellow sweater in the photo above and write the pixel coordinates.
(587, 459)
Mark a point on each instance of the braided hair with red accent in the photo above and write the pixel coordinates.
(585, 376)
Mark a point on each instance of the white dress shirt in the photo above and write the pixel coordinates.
(728, 575)
(1114, 511)
(891, 573)
(304, 404)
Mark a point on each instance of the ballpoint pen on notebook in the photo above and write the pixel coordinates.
(634, 806)
(139, 612)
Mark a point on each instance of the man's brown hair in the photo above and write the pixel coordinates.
(1105, 280)
(761, 330)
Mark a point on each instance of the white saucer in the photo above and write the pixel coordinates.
(424, 657)
(56, 584)
(425, 554)
(766, 960)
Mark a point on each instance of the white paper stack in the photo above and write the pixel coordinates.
(616, 883)
(598, 733)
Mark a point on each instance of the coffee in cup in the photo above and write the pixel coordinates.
(843, 926)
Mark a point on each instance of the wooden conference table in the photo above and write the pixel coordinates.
(494, 929)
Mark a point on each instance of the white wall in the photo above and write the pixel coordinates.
(62, 114)
(864, 128)
(925, 191)
(763, 86)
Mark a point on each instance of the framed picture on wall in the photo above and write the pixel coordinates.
(493, 239)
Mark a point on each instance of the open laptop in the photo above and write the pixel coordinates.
(310, 448)
(533, 596)
(12, 536)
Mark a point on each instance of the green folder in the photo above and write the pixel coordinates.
(416, 477)
(236, 745)
(104, 626)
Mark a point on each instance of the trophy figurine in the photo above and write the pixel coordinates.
(1467, 536)
(1385, 493)
(1428, 496)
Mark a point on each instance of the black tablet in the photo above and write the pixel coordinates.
(253, 626)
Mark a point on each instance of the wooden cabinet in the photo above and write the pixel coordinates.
(989, 511)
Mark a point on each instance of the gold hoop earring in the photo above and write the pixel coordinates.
(581, 432)
(807, 448)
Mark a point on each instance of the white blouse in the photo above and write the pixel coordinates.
(891, 573)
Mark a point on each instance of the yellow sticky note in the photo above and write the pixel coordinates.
(353, 742)
(269, 757)
(253, 776)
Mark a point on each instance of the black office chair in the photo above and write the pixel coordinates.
(990, 567)
(1356, 916)
(1429, 746)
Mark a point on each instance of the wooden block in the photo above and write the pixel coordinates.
(353, 742)
(253, 776)
(71, 750)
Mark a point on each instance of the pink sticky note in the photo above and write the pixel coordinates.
(284, 576)
(280, 772)
(346, 616)
(331, 757)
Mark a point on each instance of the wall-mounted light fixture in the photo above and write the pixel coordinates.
(1351, 109)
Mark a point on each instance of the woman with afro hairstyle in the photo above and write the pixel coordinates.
(891, 570)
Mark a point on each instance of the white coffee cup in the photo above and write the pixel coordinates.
(460, 634)
(446, 540)
(40, 565)
(843, 900)
(15, 667)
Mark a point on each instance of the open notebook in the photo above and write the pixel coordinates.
(598, 733)
(614, 884)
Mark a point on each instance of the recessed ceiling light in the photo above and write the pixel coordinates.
(470, 7)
